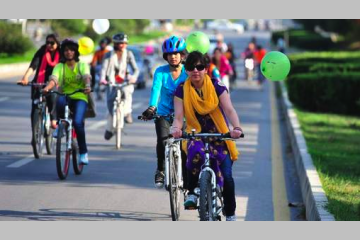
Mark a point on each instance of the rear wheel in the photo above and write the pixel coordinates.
(62, 152)
(206, 213)
(118, 128)
(78, 167)
(174, 189)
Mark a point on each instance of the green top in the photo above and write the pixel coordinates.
(72, 79)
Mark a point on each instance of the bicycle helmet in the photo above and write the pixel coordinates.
(73, 45)
(120, 38)
(173, 44)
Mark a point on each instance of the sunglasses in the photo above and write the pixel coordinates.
(52, 43)
(199, 67)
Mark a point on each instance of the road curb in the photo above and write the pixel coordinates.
(312, 192)
(14, 69)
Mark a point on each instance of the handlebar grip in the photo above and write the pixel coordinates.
(140, 117)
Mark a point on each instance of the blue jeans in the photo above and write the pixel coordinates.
(229, 185)
(78, 108)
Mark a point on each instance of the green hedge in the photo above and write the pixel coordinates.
(304, 39)
(326, 92)
(324, 67)
(11, 39)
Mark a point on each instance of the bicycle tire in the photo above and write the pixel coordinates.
(174, 190)
(49, 140)
(78, 167)
(37, 135)
(62, 153)
(118, 128)
(205, 208)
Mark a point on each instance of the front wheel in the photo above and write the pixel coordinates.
(118, 126)
(37, 135)
(174, 189)
(206, 206)
(78, 167)
(62, 152)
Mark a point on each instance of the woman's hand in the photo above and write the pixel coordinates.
(87, 89)
(176, 132)
(236, 133)
(23, 82)
(131, 79)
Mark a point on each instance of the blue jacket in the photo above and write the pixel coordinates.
(163, 89)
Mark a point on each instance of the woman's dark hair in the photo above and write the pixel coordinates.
(213, 59)
(72, 45)
(55, 36)
(197, 57)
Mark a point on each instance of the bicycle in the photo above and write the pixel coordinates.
(211, 202)
(174, 183)
(41, 129)
(69, 147)
(118, 111)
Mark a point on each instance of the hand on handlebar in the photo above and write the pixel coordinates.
(176, 132)
(149, 113)
(103, 82)
(23, 82)
(87, 90)
(236, 133)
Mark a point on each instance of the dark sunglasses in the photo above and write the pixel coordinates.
(52, 43)
(199, 67)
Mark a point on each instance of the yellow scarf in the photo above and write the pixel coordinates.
(208, 105)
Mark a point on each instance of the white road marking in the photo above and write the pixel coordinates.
(97, 125)
(22, 162)
(3, 99)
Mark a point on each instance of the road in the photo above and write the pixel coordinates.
(118, 184)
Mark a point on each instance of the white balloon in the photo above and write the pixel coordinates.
(100, 26)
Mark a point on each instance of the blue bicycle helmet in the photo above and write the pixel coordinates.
(173, 44)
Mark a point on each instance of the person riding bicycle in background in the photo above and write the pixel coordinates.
(96, 65)
(205, 103)
(71, 75)
(166, 79)
(43, 63)
(223, 65)
(115, 70)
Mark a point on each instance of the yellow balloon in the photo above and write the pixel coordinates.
(86, 45)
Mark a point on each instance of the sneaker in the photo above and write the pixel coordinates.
(159, 179)
(84, 159)
(191, 201)
(108, 135)
(231, 218)
(129, 119)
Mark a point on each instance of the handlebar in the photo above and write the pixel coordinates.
(65, 94)
(223, 136)
(32, 84)
(156, 116)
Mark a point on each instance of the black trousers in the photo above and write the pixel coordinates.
(162, 127)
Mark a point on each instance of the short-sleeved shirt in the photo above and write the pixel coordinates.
(71, 80)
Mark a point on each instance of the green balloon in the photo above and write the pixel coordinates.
(197, 41)
(275, 66)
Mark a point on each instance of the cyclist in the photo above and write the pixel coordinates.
(223, 64)
(115, 70)
(207, 107)
(96, 65)
(166, 79)
(71, 75)
(43, 63)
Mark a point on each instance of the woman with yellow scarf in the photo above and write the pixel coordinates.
(205, 103)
